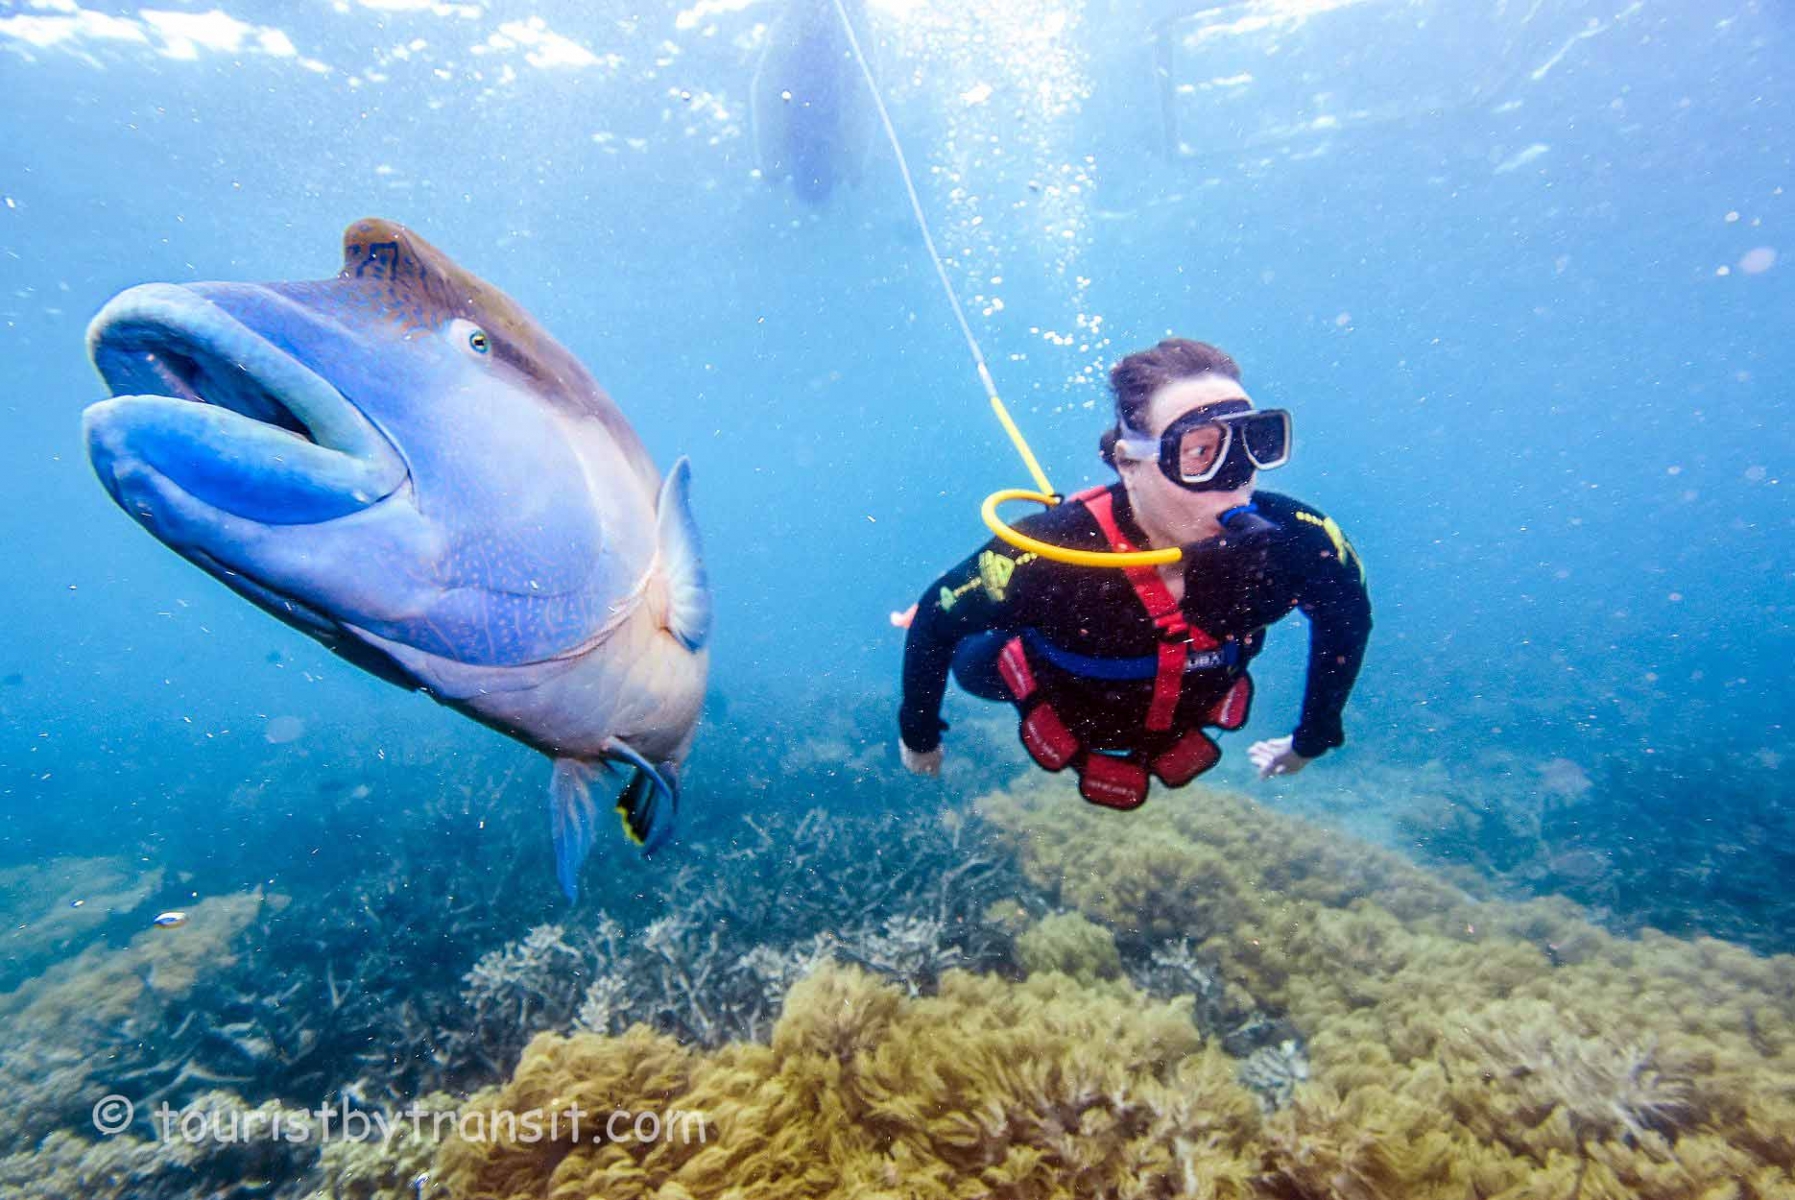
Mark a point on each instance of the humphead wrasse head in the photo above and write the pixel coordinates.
(402, 463)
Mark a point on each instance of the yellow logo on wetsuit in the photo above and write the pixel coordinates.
(1343, 549)
(993, 574)
(995, 570)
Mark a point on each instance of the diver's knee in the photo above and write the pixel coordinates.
(975, 666)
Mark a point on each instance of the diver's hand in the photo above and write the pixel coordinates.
(927, 762)
(1275, 757)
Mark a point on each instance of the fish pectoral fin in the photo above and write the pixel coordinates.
(574, 818)
(682, 563)
(649, 802)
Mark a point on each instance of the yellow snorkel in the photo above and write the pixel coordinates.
(1044, 493)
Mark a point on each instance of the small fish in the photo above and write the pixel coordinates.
(77, 903)
(170, 920)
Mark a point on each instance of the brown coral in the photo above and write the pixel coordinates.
(1072, 945)
(1457, 1049)
(1042, 1089)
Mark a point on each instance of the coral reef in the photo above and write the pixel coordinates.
(1435, 1046)
(218, 1147)
(1046, 1088)
(1035, 1000)
(51, 907)
(395, 1167)
(1273, 1073)
(1222, 1009)
(1072, 945)
(1691, 840)
(119, 1018)
(716, 964)
(1458, 1047)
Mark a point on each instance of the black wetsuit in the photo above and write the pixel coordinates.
(1234, 587)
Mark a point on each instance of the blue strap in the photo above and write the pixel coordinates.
(1145, 666)
(1251, 506)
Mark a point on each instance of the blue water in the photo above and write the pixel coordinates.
(1523, 272)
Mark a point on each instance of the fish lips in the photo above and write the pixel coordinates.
(204, 403)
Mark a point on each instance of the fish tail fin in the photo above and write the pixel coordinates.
(682, 563)
(575, 820)
(649, 802)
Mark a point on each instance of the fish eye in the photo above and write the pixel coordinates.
(475, 339)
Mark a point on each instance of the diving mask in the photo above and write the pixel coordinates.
(1216, 447)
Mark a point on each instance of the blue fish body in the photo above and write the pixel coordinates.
(811, 111)
(401, 463)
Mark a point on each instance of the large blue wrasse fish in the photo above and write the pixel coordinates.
(403, 464)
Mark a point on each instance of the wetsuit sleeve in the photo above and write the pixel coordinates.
(1331, 592)
(982, 593)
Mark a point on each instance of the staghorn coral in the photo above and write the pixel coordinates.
(1273, 1073)
(715, 963)
(1220, 1008)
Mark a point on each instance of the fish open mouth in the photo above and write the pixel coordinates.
(175, 370)
(204, 402)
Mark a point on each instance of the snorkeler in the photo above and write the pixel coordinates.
(1117, 672)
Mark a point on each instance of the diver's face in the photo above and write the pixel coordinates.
(1157, 499)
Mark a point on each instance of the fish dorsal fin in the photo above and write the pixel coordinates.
(418, 286)
(682, 562)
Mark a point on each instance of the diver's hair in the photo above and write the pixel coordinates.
(1134, 380)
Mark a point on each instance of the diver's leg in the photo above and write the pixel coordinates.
(975, 665)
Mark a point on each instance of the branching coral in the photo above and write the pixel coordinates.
(1534, 1084)
(716, 962)
(1273, 1073)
